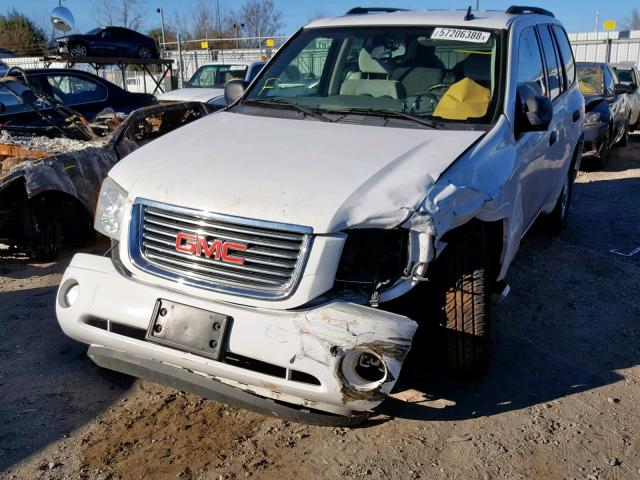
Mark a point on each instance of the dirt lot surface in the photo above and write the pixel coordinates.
(559, 401)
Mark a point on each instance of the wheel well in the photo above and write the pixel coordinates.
(75, 220)
(494, 237)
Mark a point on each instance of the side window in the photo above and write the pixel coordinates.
(609, 82)
(530, 70)
(567, 55)
(553, 68)
(71, 89)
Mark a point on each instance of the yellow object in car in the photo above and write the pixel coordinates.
(464, 99)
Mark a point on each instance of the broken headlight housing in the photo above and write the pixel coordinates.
(591, 118)
(110, 209)
(371, 257)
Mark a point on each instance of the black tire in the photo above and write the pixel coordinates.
(145, 51)
(557, 219)
(78, 50)
(462, 284)
(47, 232)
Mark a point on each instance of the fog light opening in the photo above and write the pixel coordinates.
(70, 293)
(364, 370)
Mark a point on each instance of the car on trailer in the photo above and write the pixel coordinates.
(105, 42)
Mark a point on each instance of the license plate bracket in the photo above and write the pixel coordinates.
(188, 328)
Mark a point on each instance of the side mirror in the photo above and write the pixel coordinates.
(535, 113)
(621, 89)
(233, 90)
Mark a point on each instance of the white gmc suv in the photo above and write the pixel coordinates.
(280, 255)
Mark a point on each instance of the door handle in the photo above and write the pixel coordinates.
(553, 138)
(576, 115)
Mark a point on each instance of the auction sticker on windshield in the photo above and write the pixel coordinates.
(460, 35)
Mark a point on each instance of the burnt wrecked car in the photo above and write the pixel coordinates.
(41, 91)
(49, 186)
(608, 109)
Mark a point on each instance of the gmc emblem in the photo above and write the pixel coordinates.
(197, 245)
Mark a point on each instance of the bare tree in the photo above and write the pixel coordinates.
(122, 13)
(205, 20)
(633, 22)
(260, 18)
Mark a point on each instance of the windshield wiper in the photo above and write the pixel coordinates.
(279, 103)
(388, 114)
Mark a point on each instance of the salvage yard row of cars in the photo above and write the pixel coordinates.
(286, 253)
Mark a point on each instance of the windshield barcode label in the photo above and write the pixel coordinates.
(460, 35)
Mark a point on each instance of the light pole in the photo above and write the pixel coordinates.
(161, 12)
(238, 26)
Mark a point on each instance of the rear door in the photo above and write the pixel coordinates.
(560, 144)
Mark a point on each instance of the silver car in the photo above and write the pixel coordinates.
(629, 75)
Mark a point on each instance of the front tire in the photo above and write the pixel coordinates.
(462, 286)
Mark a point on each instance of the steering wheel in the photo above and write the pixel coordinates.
(418, 98)
(438, 86)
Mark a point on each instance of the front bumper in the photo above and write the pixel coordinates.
(594, 138)
(112, 310)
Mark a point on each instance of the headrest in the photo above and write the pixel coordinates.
(478, 67)
(368, 64)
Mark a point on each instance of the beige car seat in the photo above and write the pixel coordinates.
(375, 79)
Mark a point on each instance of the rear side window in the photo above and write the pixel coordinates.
(553, 68)
(567, 55)
(73, 90)
(530, 70)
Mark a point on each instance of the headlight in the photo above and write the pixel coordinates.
(591, 118)
(372, 255)
(110, 210)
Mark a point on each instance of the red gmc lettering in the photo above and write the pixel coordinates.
(232, 246)
(195, 244)
(189, 245)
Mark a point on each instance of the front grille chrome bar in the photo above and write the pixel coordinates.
(272, 263)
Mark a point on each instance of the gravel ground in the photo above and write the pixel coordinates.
(559, 401)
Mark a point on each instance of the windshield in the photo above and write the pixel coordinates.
(216, 76)
(591, 80)
(447, 74)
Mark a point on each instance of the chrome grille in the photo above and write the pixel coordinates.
(271, 265)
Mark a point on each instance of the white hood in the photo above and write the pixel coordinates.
(328, 176)
(191, 95)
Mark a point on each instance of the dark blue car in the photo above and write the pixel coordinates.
(81, 91)
(607, 109)
(106, 42)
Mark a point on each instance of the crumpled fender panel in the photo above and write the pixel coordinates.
(79, 174)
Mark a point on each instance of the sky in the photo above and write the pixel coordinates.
(576, 16)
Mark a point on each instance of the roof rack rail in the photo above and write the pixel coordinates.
(519, 10)
(361, 10)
